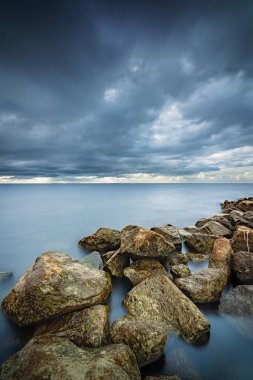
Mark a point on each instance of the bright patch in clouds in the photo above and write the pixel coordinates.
(111, 94)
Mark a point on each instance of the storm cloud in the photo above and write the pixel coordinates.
(101, 91)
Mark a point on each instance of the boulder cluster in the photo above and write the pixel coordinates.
(66, 300)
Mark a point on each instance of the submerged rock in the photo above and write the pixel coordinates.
(115, 262)
(5, 275)
(142, 269)
(204, 286)
(54, 285)
(141, 242)
(146, 338)
(242, 239)
(86, 328)
(94, 260)
(54, 358)
(201, 242)
(238, 301)
(157, 298)
(221, 256)
(103, 240)
(180, 270)
(243, 267)
(215, 228)
(170, 233)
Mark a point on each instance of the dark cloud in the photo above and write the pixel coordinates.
(109, 88)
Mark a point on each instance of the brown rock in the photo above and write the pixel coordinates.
(103, 240)
(242, 239)
(142, 269)
(221, 256)
(141, 242)
(170, 233)
(197, 257)
(222, 219)
(115, 264)
(245, 204)
(179, 258)
(202, 243)
(55, 284)
(215, 228)
(243, 267)
(157, 298)
(247, 219)
(180, 270)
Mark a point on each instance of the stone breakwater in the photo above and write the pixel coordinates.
(65, 300)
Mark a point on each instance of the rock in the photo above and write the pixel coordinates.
(179, 258)
(222, 219)
(170, 233)
(184, 234)
(157, 298)
(146, 338)
(197, 257)
(228, 206)
(93, 259)
(5, 275)
(221, 256)
(238, 301)
(140, 242)
(203, 286)
(215, 228)
(86, 328)
(190, 230)
(162, 377)
(246, 219)
(243, 267)
(116, 264)
(242, 239)
(56, 284)
(181, 270)
(235, 216)
(202, 243)
(103, 240)
(54, 358)
(142, 269)
(245, 204)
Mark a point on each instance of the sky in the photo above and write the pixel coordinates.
(126, 91)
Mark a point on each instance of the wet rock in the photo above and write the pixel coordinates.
(103, 240)
(93, 259)
(142, 269)
(222, 219)
(197, 257)
(202, 243)
(162, 377)
(56, 284)
(54, 358)
(242, 239)
(157, 298)
(179, 258)
(243, 267)
(204, 286)
(5, 275)
(170, 233)
(221, 257)
(141, 242)
(215, 228)
(115, 262)
(238, 301)
(86, 328)
(146, 338)
(180, 270)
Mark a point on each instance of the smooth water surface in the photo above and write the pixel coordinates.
(38, 218)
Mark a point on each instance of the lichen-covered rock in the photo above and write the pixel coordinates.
(93, 259)
(243, 267)
(222, 219)
(179, 258)
(204, 286)
(197, 257)
(86, 328)
(146, 338)
(157, 298)
(142, 242)
(53, 358)
(202, 243)
(54, 285)
(170, 233)
(238, 301)
(242, 239)
(116, 264)
(103, 240)
(215, 228)
(180, 270)
(221, 256)
(142, 269)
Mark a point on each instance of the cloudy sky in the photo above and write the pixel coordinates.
(126, 91)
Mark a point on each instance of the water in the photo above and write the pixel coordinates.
(38, 218)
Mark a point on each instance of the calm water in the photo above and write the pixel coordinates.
(38, 218)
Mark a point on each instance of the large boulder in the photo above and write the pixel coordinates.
(54, 358)
(221, 256)
(103, 240)
(215, 228)
(86, 328)
(170, 233)
(202, 243)
(157, 298)
(204, 286)
(243, 267)
(242, 239)
(141, 269)
(146, 338)
(56, 284)
(222, 219)
(115, 262)
(141, 242)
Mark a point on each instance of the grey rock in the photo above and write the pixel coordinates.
(103, 240)
(115, 262)
(243, 267)
(93, 259)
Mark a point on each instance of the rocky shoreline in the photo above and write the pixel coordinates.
(65, 300)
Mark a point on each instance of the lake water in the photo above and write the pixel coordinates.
(38, 218)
